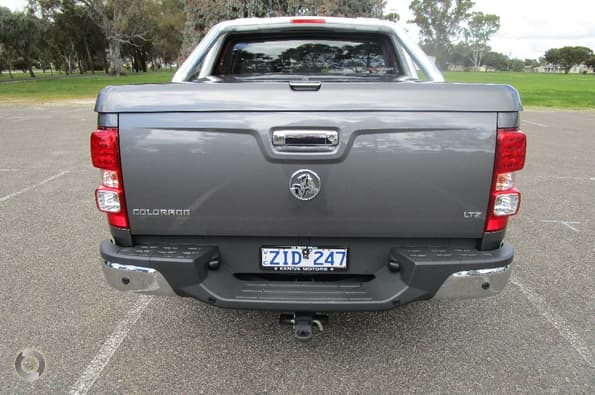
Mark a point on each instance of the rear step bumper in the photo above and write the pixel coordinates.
(195, 271)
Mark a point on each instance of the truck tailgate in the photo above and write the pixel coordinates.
(390, 174)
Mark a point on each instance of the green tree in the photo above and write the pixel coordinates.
(552, 56)
(496, 61)
(20, 35)
(568, 57)
(71, 39)
(7, 56)
(516, 65)
(461, 55)
(121, 22)
(168, 23)
(531, 63)
(480, 28)
(392, 16)
(440, 23)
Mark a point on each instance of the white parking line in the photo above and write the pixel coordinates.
(567, 178)
(17, 193)
(565, 223)
(563, 328)
(9, 170)
(109, 347)
(535, 123)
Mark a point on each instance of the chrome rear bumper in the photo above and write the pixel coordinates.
(136, 279)
(474, 283)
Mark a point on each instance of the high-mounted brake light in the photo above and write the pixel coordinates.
(307, 20)
(105, 155)
(505, 199)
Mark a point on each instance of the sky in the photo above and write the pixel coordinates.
(528, 28)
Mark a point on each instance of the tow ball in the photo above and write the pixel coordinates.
(303, 324)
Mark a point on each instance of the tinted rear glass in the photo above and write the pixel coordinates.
(333, 55)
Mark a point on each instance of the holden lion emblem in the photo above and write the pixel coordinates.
(304, 184)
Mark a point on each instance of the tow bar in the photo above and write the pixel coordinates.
(303, 323)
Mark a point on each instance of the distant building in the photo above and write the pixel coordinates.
(551, 68)
(460, 67)
(548, 68)
(581, 68)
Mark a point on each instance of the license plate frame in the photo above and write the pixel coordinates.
(318, 259)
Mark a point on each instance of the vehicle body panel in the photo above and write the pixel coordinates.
(392, 174)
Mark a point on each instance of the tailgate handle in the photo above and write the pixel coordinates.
(305, 85)
(305, 138)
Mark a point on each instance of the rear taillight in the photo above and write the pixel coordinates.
(104, 149)
(505, 199)
(510, 150)
(105, 155)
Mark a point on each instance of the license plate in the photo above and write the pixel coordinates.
(305, 259)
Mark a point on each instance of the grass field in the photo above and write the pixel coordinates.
(540, 89)
(537, 89)
(44, 89)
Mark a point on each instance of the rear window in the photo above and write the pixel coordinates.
(342, 55)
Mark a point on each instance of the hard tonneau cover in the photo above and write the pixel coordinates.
(332, 96)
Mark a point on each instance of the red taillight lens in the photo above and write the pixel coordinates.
(307, 20)
(109, 197)
(511, 147)
(505, 199)
(494, 223)
(104, 149)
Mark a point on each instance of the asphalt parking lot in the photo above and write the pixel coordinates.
(535, 337)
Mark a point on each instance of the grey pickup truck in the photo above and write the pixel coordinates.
(308, 165)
